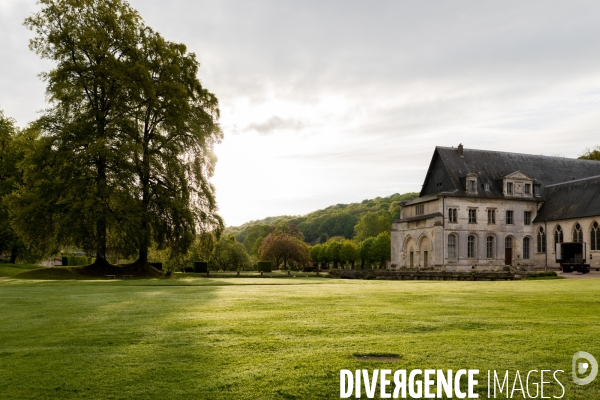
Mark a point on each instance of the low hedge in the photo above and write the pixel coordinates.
(264, 266)
(72, 261)
(200, 266)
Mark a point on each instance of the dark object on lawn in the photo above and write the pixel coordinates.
(157, 265)
(378, 357)
(264, 266)
(200, 266)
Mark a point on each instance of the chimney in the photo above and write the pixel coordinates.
(460, 149)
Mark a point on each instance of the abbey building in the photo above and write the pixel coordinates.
(484, 210)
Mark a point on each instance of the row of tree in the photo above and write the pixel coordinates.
(121, 159)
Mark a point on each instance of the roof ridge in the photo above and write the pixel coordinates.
(519, 154)
(573, 181)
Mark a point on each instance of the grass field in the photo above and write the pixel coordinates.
(286, 338)
(13, 269)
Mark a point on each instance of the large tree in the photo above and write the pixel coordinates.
(284, 246)
(125, 150)
(10, 179)
(174, 128)
(92, 43)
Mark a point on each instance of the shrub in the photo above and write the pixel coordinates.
(369, 277)
(73, 261)
(200, 266)
(309, 269)
(264, 266)
(157, 265)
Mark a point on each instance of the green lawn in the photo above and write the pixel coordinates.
(13, 269)
(284, 338)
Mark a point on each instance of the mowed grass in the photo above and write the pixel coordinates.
(253, 338)
(13, 269)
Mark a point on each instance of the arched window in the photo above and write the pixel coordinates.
(489, 247)
(558, 235)
(452, 246)
(508, 242)
(541, 240)
(526, 247)
(595, 236)
(471, 246)
(577, 233)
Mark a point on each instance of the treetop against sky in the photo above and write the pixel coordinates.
(325, 103)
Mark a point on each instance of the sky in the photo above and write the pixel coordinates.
(327, 102)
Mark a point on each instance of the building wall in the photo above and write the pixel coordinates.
(406, 236)
(568, 225)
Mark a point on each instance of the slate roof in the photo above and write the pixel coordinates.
(575, 199)
(449, 169)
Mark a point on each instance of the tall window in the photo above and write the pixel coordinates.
(558, 235)
(509, 218)
(472, 185)
(471, 246)
(472, 216)
(577, 233)
(527, 217)
(508, 242)
(541, 240)
(527, 188)
(412, 259)
(595, 236)
(509, 188)
(420, 209)
(526, 243)
(451, 246)
(491, 216)
(536, 190)
(452, 215)
(490, 247)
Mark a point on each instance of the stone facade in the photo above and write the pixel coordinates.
(493, 219)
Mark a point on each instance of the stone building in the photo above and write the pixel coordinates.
(484, 210)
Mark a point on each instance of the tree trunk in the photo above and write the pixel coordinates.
(13, 254)
(362, 264)
(144, 223)
(101, 224)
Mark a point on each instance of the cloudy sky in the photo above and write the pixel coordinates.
(327, 102)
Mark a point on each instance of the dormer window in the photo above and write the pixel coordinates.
(471, 183)
(420, 209)
(536, 190)
(486, 187)
(509, 188)
(527, 188)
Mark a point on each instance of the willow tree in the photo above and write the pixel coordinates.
(174, 128)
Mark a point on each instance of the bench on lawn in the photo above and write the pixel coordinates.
(111, 276)
(127, 276)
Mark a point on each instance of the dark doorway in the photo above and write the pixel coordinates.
(508, 244)
(507, 256)
(425, 259)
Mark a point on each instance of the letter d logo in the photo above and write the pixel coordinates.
(582, 367)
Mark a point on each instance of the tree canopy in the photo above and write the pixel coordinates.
(123, 156)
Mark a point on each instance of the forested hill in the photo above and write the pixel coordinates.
(337, 220)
